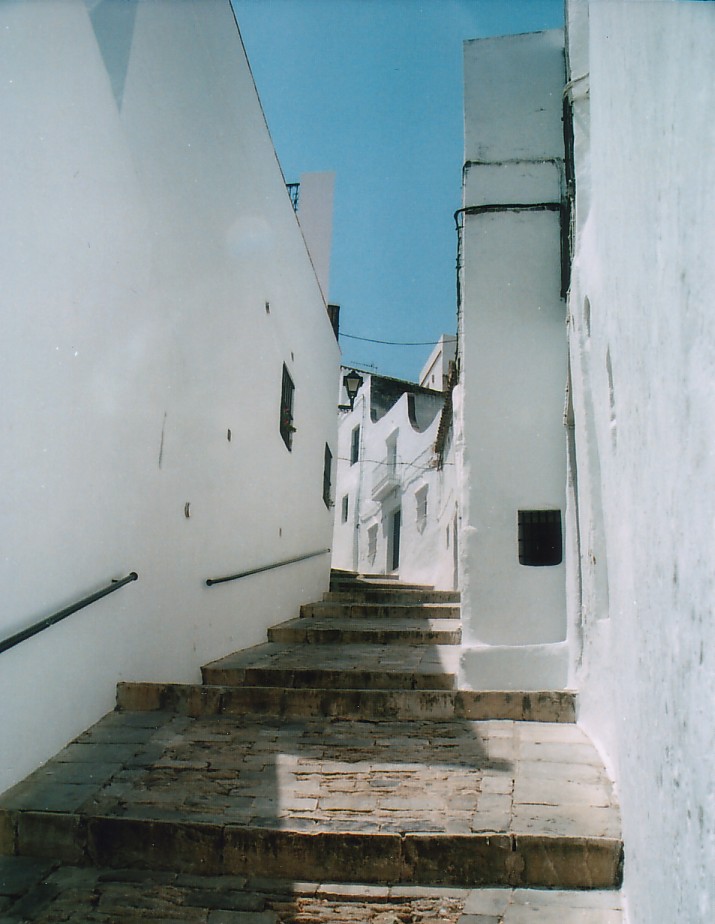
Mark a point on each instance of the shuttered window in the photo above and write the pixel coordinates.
(327, 476)
(286, 420)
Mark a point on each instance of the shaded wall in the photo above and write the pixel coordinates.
(643, 367)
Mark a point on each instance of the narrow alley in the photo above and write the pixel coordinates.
(332, 773)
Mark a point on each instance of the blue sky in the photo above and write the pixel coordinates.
(372, 90)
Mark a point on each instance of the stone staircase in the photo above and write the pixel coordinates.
(340, 751)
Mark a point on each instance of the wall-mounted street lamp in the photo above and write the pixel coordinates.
(352, 382)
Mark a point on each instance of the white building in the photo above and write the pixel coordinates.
(627, 364)
(395, 497)
(513, 365)
(642, 460)
(436, 371)
(159, 306)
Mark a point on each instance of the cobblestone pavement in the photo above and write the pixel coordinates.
(44, 892)
(457, 777)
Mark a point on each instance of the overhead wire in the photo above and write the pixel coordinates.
(399, 342)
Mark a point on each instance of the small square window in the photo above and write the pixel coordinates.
(344, 509)
(540, 538)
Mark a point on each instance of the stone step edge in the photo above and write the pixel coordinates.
(357, 893)
(480, 859)
(388, 587)
(396, 705)
(398, 595)
(303, 633)
(324, 678)
(357, 609)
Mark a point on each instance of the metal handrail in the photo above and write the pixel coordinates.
(279, 564)
(13, 640)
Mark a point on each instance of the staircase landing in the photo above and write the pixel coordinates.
(468, 803)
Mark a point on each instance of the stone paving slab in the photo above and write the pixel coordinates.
(340, 630)
(385, 801)
(47, 892)
(355, 666)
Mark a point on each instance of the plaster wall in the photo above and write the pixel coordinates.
(514, 359)
(435, 372)
(375, 489)
(155, 281)
(512, 98)
(642, 350)
(315, 216)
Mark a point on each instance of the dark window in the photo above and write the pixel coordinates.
(327, 476)
(355, 446)
(396, 526)
(345, 505)
(286, 422)
(540, 537)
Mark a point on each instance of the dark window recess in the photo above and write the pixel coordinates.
(396, 527)
(345, 505)
(294, 193)
(355, 446)
(286, 422)
(327, 476)
(334, 315)
(540, 540)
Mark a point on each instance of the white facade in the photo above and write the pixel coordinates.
(436, 371)
(395, 511)
(155, 283)
(642, 465)
(315, 216)
(513, 365)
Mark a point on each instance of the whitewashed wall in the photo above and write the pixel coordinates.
(513, 371)
(427, 535)
(643, 367)
(155, 281)
(435, 372)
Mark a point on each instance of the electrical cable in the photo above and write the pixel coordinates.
(422, 468)
(399, 342)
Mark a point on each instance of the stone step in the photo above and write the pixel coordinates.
(392, 596)
(384, 582)
(358, 666)
(372, 705)
(473, 804)
(339, 631)
(381, 611)
(32, 890)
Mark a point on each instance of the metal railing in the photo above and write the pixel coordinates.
(21, 636)
(278, 564)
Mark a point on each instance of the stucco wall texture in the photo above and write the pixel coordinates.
(643, 367)
(514, 352)
(155, 282)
